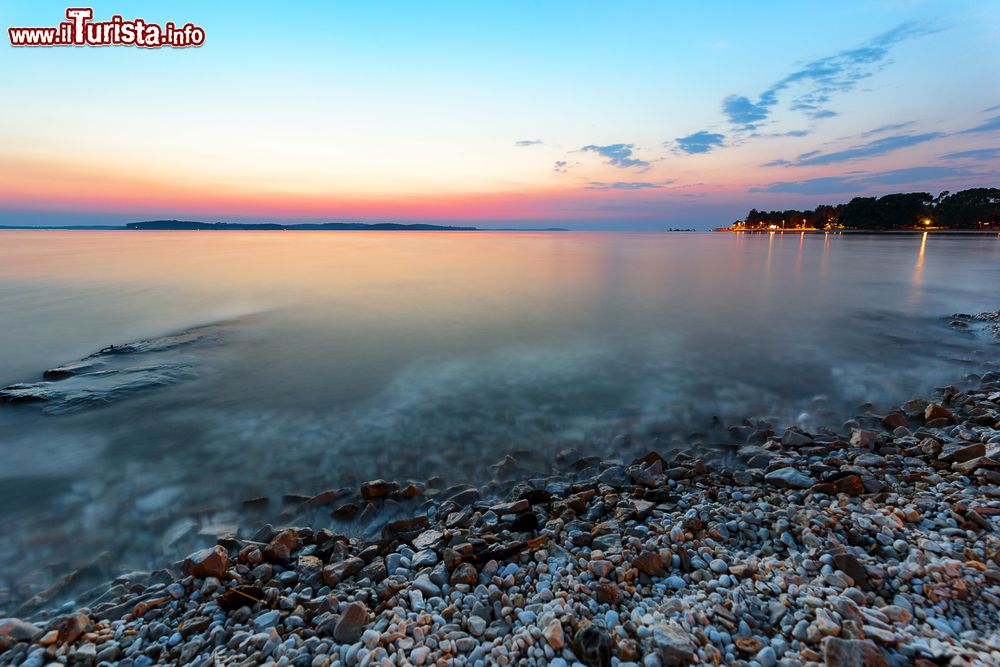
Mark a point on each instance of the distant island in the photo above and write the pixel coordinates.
(194, 226)
(190, 226)
(977, 209)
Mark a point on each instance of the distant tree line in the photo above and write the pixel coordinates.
(977, 208)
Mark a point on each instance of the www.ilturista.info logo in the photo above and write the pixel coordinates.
(80, 30)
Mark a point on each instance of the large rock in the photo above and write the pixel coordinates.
(650, 562)
(404, 530)
(554, 634)
(15, 630)
(673, 645)
(267, 620)
(894, 420)
(852, 653)
(870, 461)
(968, 467)
(428, 539)
(280, 547)
(962, 453)
(849, 484)
(71, 627)
(210, 562)
(376, 488)
(352, 624)
(608, 594)
(465, 574)
(793, 438)
(789, 478)
(334, 573)
(853, 568)
(615, 476)
(938, 411)
(592, 644)
(310, 569)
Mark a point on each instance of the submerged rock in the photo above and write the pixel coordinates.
(114, 373)
(377, 488)
(825, 553)
(789, 478)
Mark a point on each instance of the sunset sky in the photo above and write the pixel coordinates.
(610, 115)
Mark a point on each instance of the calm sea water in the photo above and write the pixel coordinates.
(336, 357)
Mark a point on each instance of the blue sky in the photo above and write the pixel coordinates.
(624, 115)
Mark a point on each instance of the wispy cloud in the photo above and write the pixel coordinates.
(699, 142)
(780, 135)
(886, 128)
(618, 155)
(622, 185)
(861, 181)
(819, 80)
(561, 166)
(870, 149)
(528, 142)
(974, 154)
(989, 126)
(777, 163)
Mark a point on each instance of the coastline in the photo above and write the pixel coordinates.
(871, 543)
(472, 380)
(867, 232)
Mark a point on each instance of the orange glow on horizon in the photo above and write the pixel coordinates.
(79, 187)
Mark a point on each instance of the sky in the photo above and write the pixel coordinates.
(589, 115)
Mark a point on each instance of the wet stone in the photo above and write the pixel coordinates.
(882, 554)
(352, 624)
(674, 645)
(592, 644)
(852, 653)
(210, 562)
(377, 488)
(789, 478)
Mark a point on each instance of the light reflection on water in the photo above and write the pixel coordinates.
(404, 355)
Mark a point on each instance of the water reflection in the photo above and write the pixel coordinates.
(798, 257)
(918, 271)
(410, 355)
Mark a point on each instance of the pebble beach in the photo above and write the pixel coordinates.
(579, 334)
(873, 543)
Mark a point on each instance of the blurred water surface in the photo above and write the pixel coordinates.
(346, 355)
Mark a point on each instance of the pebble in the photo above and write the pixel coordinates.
(263, 622)
(860, 546)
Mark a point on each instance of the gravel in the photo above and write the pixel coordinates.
(871, 544)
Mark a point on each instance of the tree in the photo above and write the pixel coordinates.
(905, 210)
(826, 215)
(970, 209)
(861, 213)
